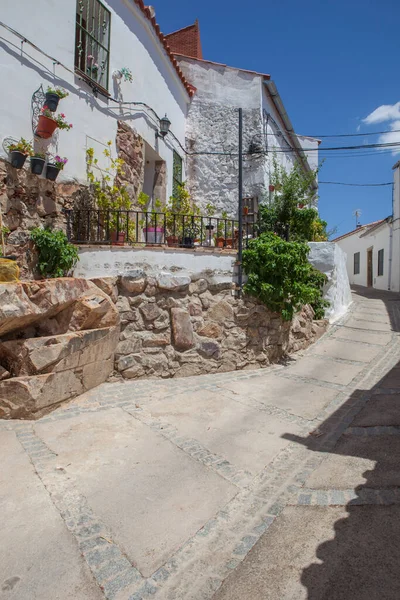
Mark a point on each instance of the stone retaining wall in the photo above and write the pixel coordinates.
(176, 325)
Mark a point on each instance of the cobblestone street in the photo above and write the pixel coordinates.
(278, 484)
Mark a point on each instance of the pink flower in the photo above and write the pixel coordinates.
(70, 125)
(90, 57)
(62, 115)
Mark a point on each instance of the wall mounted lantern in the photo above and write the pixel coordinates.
(165, 124)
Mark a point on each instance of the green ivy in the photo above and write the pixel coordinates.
(57, 257)
(281, 277)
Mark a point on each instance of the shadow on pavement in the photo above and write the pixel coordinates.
(363, 560)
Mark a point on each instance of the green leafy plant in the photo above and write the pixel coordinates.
(22, 146)
(60, 119)
(39, 155)
(281, 277)
(61, 92)
(290, 213)
(221, 225)
(57, 257)
(180, 214)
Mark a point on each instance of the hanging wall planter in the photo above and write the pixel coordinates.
(53, 169)
(52, 101)
(52, 172)
(46, 127)
(53, 97)
(37, 164)
(17, 159)
(18, 152)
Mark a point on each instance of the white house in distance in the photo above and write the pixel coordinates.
(373, 250)
(212, 128)
(82, 45)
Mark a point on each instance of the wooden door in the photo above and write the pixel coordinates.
(369, 268)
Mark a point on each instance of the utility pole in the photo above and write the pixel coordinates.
(240, 190)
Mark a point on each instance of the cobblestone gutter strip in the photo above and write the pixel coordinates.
(112, 571)
(363, 496)
(194, 449)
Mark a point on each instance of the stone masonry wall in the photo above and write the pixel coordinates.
(175, 325)
(29, 201)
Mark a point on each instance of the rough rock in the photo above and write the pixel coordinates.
(108, 285)
(221, 312)
(150, 311)
(209, 348)
(129, 346)
(210, 330)
(169, 281)
(134, 281)
(198, 287)
(182, 329)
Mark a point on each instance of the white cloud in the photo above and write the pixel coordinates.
(386, 112)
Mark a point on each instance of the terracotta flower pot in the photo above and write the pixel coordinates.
(117, 240)
(172, 240)
(17, 159)
(229, 242)
(46, 127)
(220, 242)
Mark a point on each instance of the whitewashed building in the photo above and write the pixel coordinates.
(212, 128)
(373, 250)
(82, 45)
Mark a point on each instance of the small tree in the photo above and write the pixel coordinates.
(284, 215)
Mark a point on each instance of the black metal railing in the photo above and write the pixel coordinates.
(132, 227)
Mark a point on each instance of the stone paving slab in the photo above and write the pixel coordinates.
(39, 557)
(359, 335)
(381, 410)
(322, 553)
(368, 460)
(346, 350)
(325, 370)
(247, 437)
(377, 316)
(298, 398)
(369, 325)
(150, 494)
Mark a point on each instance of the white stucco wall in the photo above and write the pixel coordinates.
(113, 261)
(363, 241)
(133, 44)
(328, 258)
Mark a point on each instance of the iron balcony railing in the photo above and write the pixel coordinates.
(132, 227)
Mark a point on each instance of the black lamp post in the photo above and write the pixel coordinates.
(165, 124)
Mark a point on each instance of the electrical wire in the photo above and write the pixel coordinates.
(355, 184)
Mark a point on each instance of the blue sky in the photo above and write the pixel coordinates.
(334, 62)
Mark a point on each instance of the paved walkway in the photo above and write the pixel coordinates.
(279, 484)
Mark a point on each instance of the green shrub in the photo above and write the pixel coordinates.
(281, 277)
(57, 257)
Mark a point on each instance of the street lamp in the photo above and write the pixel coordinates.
(165, 124)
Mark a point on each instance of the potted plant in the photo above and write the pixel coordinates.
(220, 237)
(37, 163)
(178, 209)
(53, 168)
(53, 97)
(18, 153)
(153, 233)
(110, 197)
(47, 123)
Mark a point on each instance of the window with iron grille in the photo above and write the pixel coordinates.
(177, 174)
(92, 41)
(357, 263)
(380, 262)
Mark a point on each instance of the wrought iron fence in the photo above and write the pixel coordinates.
(131, 227)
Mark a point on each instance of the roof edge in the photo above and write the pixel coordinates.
(148, 14)
(212, 62)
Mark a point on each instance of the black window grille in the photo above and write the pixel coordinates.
(92, 41)
(177, 174)
(357, 263)
(380, 261)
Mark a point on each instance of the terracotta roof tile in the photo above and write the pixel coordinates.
(149, 15)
